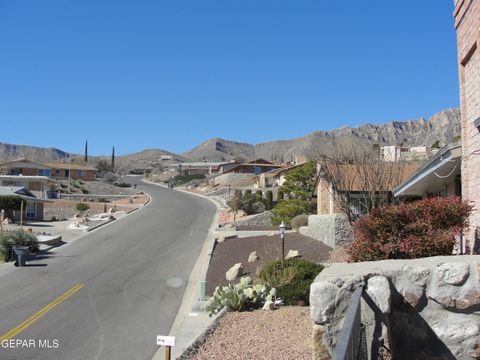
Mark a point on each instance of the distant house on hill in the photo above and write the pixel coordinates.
(274, 177)
(26, 167)
(254, 167)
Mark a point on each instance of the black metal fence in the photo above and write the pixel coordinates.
(351, 344)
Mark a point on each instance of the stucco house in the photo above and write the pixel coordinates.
(34, 206)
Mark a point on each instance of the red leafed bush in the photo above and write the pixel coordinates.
(407, 231)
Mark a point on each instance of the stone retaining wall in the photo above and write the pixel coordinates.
(422, 309)
(333, 230)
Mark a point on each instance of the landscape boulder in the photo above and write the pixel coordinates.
(253, 257)
(292, 254)
(234, 272)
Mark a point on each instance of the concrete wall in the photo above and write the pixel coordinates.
(467, 25)
(333, 230)
(422, 309)
(230, 177)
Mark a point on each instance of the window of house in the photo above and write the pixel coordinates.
(57, 172)
(44, 172)
(31, 210)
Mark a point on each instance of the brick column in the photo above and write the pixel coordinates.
(467, 25)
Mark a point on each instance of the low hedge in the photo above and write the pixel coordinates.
(412, 230)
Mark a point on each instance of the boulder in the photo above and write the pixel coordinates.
(378, 288)
(452, 273)
(292, 254)
(322, 301)
(410, 284)
(234, 272)
(253, 257)
(269, 305)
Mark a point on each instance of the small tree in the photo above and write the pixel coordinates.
(299, 185)
(103, 167)
(269, 200)
(11, 203)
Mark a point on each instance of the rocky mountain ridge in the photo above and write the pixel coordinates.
(442, 127)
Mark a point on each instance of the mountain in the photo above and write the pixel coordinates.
(9, 152)
(441, 127)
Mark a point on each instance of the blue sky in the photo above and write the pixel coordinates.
(171, 74)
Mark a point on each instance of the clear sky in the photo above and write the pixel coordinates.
(171, 74)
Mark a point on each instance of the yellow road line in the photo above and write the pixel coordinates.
(32, 319)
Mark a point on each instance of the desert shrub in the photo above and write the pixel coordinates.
(248, 192)
(102, 200)
(299, 220)
(238, 193)
(239, 297)
(110, 177)
(124, 185)
(286, 210)
(84, 191)
(407, 231)
(269, 200)
(258, 207)
(9, 239)
(82, 207)
(235, 203)
(292, 279)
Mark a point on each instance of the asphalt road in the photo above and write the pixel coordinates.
(108, 294)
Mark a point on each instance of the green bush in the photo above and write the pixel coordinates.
(286, 210)
(9, 239)
(102, 200)
(258, 207)
(408, 231)
(292, 279)
(84, 191)
(298, 221)
(269, 200)
(239, 297)
(82, 207)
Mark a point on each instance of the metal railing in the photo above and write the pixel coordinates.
(350, 342)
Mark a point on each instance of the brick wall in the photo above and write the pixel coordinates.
(467, 25)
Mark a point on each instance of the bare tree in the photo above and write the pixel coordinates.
(357, 176)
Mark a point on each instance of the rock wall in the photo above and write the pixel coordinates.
(333, 230)
(225, 179)
(417, 309)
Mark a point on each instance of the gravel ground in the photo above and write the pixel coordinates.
(237, 250)
(285, 333)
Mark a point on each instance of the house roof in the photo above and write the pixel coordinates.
(23, 160)
(351, 171)
(433, 175)
(22, 192)
(43, 179)
(250, 164)
(68, 166)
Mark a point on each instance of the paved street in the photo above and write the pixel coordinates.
(108, 294)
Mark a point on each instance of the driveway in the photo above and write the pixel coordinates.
(108, 294)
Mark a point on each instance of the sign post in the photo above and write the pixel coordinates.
(168, 342)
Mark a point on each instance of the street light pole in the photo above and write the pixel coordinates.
(282, 236)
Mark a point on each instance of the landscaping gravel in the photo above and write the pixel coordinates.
(262, 219)
(285, 333)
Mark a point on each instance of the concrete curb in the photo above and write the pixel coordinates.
(192, 348)
(100, 225)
